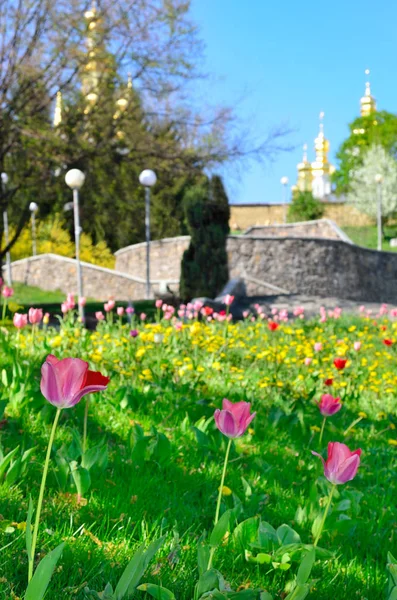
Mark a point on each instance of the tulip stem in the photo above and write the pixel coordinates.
(4, 308)
(325, 515)
(41, 494)
(322, 431)
(218, 504)
(87, 404)
(352, 425)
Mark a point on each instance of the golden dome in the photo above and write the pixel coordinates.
(321, 165)
(367, 102)
(305, 164)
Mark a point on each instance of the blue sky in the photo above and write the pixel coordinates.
(284, 62)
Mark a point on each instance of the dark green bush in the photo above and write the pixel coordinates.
(304, 207)
(204, 270)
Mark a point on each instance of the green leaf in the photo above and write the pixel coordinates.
(300, 515)
(267, 536)
(287, 535)
(38, 584)
(81, 478)
(299, 593)
(135, 569)
(306, 566)
(207, 582)
(6, 461)
(316, 525)
(246, 487)
(156, 591)
(203, 556)
(220, 529)
(265, 596)
(246, 532)
(393, 594)
(28, 532)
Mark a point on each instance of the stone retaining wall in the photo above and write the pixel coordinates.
(243, 216)
(53, 272)
(314, 267)
(322, 228)
(165, 258)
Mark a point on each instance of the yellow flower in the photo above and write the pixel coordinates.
(392, 442)
(363, 415)
(226, 491)
(315, 429)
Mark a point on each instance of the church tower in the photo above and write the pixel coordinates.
(367, 102)
(321, 168)
(305, 177)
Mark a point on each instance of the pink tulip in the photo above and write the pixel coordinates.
(64, 382)
(108, 306)
(70, 301)
(357, 346)
(20, 321)
(158, 303)
(134, 333)
(228, 300)
(308, 361)
(299, 311)
(246, 314)
(178, 326)
(35, 315)
(234, 418)
(342, 464)
(130, 310)
(99, 315)
(120, 311)
(143, 316)
(65, 307)
(82, 301)
(318, 347)
(7, 292)
(328, 405)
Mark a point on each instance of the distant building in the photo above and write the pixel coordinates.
(315, 177)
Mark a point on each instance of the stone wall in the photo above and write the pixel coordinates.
(52, 272)
(322, 228)
(165, 258)
(243, 216)
(314, 267)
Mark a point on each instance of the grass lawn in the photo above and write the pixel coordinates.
(29, 295)
(367, 236)
(156, 457)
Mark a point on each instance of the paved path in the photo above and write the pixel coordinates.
(311, 304)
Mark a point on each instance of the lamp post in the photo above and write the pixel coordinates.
(284, 183)
(147, 178)
(75, 179)
(33, 207)
(379, 181)
(4, 181)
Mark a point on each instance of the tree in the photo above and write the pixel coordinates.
(363, 186)
(43, 48)
(204, 269)
(378, 128)
(305, 207)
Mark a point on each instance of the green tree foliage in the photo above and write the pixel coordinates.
(304, 207)
(380, 128)
(204, 269)
(364, 190)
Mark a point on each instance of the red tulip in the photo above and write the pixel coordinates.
(64, 382)
(328, 381)
(388, 342)
(328, 405)
(234, 418)
(342, 464)
(272, 325)
(340, 363)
